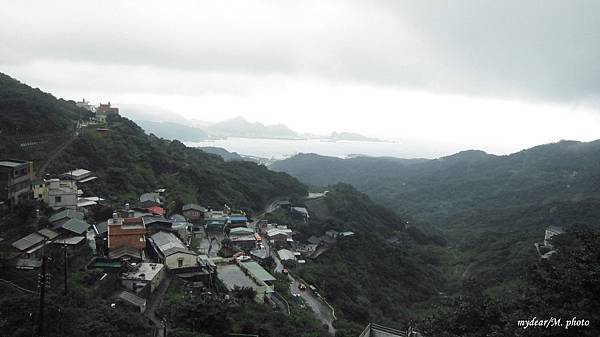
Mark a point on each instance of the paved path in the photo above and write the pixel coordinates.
(56, 152)
(155, 303)
(321, 310)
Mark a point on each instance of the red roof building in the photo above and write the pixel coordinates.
(156, 210)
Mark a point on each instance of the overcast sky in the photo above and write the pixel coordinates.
(494, 75)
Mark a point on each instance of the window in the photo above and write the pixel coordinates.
(57, 199)
(180, 262)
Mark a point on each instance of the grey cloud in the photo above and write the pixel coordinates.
(532, 50)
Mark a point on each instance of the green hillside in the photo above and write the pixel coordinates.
(128, 162)
(382, 273)
(491, 208)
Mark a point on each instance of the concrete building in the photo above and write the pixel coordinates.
(286, 255)
(40, 190)
(15, 181)
(144, 277)
(61, 194)
(80, 175)
(193, 212)
(172, 252)
(550, 232)
(280, 236)
(150, 200)
(86, 105)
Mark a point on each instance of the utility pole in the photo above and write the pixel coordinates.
(66, 258)
(42, 285)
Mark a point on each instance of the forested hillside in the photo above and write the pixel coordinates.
(491, 208)
(127, 161)
(381, 273)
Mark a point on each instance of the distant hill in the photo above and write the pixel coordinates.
(129, 162)
(228, 156)
(25, 111)
(240, 127)
(169, 130)
(352, 136)
(491, 208)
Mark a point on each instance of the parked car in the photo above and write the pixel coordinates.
(243, 258)
(301, 286)
(285, 271)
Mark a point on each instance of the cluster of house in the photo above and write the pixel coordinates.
(17, 184)
(99, 112)
(545, 249)
(63, 192)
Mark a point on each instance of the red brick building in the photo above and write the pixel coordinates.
(126, 233)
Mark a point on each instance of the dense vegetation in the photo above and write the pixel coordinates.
(379, 273)
(491, 208)
(85, 311)
(128, 162)
(192, 314)
(563, 287)
(26, 111)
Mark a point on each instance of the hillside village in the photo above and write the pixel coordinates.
(136, 250)
(167, 257)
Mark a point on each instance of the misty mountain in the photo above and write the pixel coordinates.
(566, 170)
(240, 127)
(352, 136)
(226, 155)
(169, 130)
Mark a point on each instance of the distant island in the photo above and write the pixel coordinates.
(235, 127)
(353, 137)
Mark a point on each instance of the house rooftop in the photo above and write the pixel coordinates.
(150, 197)
(241, 231)
(555, 229)
(143, 271)
(169, 243)
(71, 241)
(47, 232)
(12, 163)
(77, 173)
(29, 241)
(285, 254)
(76, 226)
(67, 213)
(258, 272)
(132, 298)
(101, 227)
(193, 207)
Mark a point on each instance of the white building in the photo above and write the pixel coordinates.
(172, 252)
(61, 194)
(550, 232)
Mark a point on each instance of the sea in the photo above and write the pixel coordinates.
(276, 149)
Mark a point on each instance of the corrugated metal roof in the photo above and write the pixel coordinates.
(258, 272)
(67, 213)
(168, 244)
(193, 207)
(286, 254)
(47, 232)
(76, 226)
(29, 241)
